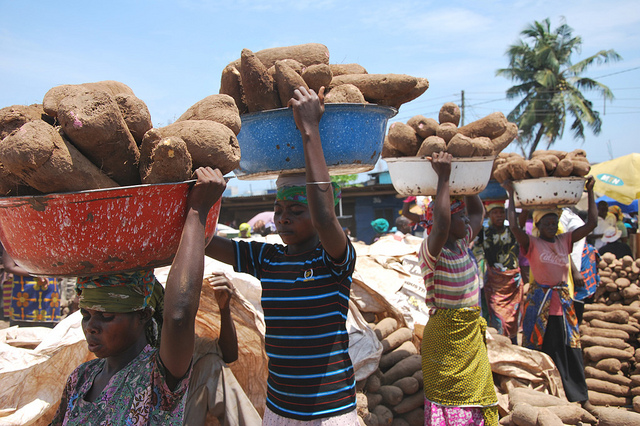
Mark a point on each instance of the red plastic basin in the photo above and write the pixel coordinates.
(100, 231)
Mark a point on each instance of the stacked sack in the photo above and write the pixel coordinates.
(609, 335)
(100, 135)
(393, 393)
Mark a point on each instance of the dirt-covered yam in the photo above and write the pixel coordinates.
(13, 117)
(164, 160)
(423, 126)
(536, 168)
(39, 155)
(404, 138)
(491, 126)
(341, 69)
(210, 143)
(346, 93)
(430, 145)
(135, 114)
(220, 108)
(446, 131)
(390, 151)
(377, 87)
(580, 168)
(421, 86)
(287, 81)
(501, 142)
(317, 76)
(94, 124)
(449, 113)
(460, 146)
(517, 168)
(53, 97)
(307, 54)
(259, 87)
(564, 168)
(231, 84)
(482, 147)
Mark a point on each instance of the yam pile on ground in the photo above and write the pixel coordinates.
(393, 393)
(528, 407)
(513, 166)
(421, 136)
(100, 135)
(266, 79)
(609, 335)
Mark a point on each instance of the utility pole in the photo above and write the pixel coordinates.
(462, 108)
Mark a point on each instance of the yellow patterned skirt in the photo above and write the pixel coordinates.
(455, 364)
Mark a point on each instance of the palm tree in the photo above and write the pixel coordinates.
(551, 85)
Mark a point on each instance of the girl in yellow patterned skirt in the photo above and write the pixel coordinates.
(458, 383)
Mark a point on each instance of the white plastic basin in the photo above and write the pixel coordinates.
(548, 191)
(415, 175)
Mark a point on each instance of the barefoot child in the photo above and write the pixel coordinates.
(458, 384)
(140, 377)
(305, 289)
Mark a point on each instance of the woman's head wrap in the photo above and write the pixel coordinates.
(537, 216)
(294, 188)
(120, 293)
(493, 204)
(457, 205)
(617, 211)
(380, 225)
(245, 227)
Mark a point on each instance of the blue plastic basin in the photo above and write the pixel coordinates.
(352, 136)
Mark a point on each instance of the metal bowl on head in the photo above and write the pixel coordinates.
(352, 136)
(415, 175)
(101, 231)
(548, 191)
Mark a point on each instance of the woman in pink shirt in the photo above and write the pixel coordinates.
(550, 324)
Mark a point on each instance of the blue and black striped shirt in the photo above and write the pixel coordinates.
(305, 299)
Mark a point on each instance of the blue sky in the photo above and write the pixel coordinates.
(171, 53)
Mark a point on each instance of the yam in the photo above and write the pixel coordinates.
(220, 108)
(421, 86)
(408, 385)
(596, 353)
(482, 147)
(403, 138)
(370, 419)
(430, 145)
(580, 168)
(607, 387)
(373, 400)
(617, 417)
(491, 126)
(385, 416)
(39, 155)
(556, 153)
(385, 327)
(345, 93)
(13, 117)
(395, 339)
(317, 76)
(391, 395)
(287, 81)
(52, 98)
(361, 403)
(533, 397)
(446, 131)
(587, 341)
(517, 168)
(373, 383)
(210, 144)
(389, 150)
(403, 368)
(231, 84)
(165, 160)
(307, 54)
(259, 87)
(610, 365)
(418, 376)
(550, 162)
(388, 360)
(619, 316)
(524, 414)
(564, 168)
(636, 404)
(341, 69)
(414, 417)
(378, 87)
(409, 403)
(94, 124)
(536, 169)
(423, 126)
(501, 142)
(572, 414)
(613, 325)
(599, 398)
(501, 173)
(460, 146)
(136, 115)
(548, 418)
(449, 113)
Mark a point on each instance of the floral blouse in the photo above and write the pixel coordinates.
(136, 395)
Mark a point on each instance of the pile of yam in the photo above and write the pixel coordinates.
(421, 136)
(266, 79)
(393, 393)
(543, 163)
(609, 335)
(100, 135)
(528, 407)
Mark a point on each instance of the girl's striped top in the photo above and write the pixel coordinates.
(451, 278)
(305, 298)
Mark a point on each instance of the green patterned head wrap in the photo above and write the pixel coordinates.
(121, 293)
(294, 188)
